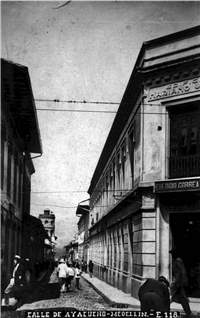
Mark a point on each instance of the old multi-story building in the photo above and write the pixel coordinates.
(20, 137)
(145, 190)
(83, 223)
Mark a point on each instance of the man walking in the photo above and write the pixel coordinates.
(90, 266)
(62, 274)
(16, 281)
(180, 282)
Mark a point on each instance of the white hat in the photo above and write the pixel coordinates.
(61, 260)
(17, 257)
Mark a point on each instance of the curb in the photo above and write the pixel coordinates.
(115, 304)
(112, 303)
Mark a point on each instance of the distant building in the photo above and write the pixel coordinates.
(35, 234)
(72, 249)
(20, 137)
(145, 190)
(48, 221)
(83, 224)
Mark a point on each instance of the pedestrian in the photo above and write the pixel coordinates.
(62, 274)
(82, 265)
(27, 274)
(154, 295)
(180, 282)
(16, 282)
(85, 267)
(37, 268)
(70, 276)
(90, 266)
(4, 282)
(77, 276)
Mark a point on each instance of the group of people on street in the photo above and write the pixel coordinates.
(66, 271)
(156, 295)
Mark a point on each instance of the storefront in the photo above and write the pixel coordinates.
(178, 207)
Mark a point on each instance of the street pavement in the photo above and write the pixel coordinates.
(93, 295)
(47, 296)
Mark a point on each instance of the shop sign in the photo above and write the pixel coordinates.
(177, 185)
(174, 89)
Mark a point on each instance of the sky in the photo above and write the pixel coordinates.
(82, 51)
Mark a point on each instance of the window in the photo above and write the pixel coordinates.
(184, 141)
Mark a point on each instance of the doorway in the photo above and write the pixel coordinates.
(185, 229)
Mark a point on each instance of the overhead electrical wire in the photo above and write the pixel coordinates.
(94, 111)
(69, 191)
(74, 101)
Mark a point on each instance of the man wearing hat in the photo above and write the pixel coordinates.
(16, 280)
(154, 295)
(63, 273)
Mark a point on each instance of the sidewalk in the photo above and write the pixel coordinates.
(118, 299)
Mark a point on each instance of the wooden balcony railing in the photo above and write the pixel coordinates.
(184, 166)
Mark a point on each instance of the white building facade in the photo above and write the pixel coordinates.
(147, 179)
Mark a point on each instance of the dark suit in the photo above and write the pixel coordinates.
(19, 275)
(154, 295)
(16, 282)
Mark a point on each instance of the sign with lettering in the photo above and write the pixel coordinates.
(177, 185)
(174, 89)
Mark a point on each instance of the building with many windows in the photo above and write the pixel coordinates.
(20, 137)
(145, 190)
(83, 241)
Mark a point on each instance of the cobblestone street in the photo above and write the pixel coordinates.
(47, 296)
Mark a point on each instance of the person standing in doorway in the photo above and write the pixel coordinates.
(180, 282)
(90, 266)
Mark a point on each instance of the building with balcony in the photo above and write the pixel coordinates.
(20, 143)
(145, 190)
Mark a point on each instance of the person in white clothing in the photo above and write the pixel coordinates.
(77, 275)
(62, 274)
(70, 277)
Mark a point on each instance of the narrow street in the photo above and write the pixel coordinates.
(47, 296)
